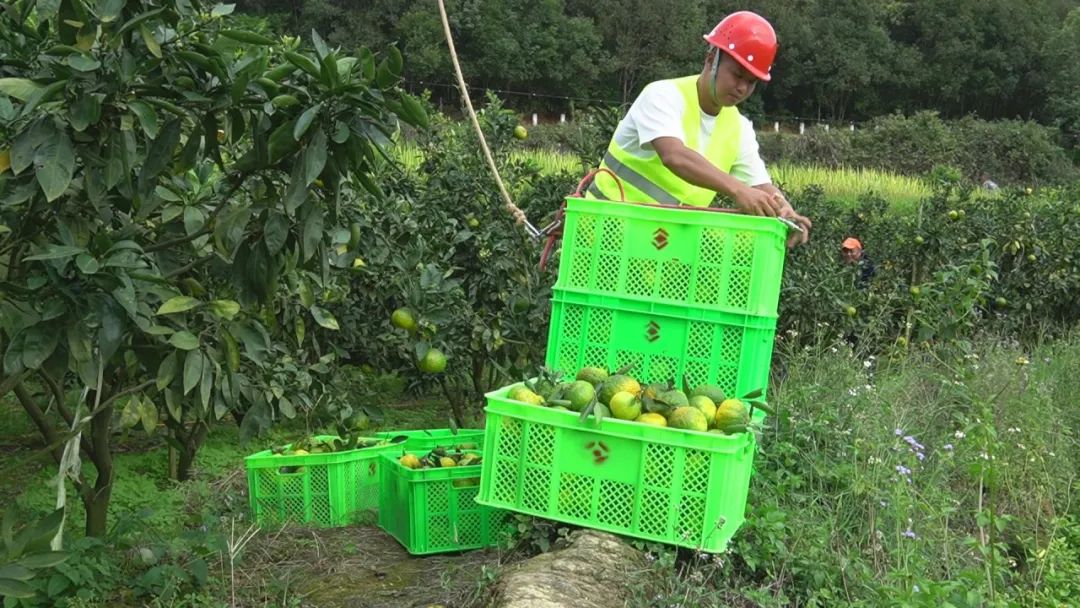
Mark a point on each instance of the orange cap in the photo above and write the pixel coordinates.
(852, 243)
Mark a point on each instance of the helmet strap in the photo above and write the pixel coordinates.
(712, 78)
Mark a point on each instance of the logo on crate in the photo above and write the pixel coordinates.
(660, 238)
(599, 451)
(652, 331)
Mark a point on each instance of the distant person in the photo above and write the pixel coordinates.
(988, 183)
(683, 140)
(852, 252)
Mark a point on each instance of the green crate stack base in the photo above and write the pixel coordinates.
(428, 439)
(663, 341)
(675, 255)
(334, 489)
(435, 510)
(667, 485)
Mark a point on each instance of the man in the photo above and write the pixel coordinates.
(684, 140)
(851, 250)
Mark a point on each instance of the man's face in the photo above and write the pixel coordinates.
(850, 255)
(734, 83)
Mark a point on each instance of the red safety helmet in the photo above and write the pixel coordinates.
(749, 38)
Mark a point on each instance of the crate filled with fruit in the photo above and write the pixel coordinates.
(606, 450)
(427, 500)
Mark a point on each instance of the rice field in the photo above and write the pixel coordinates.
(846, 184)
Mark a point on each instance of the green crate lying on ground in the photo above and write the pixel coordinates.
(426, 439)
(324, 490)
(435, 510)
(332, 489)
(662, 341)
(673, 486)
(677, 255)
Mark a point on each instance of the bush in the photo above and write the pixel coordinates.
(1013, 152)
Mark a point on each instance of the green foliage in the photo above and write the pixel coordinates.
(914, 481)
(168, 167)
(1010, 151)
(25, 552)
(443, 246)
(953, 266)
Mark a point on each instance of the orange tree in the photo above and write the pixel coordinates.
(162, 169)
(441, 245)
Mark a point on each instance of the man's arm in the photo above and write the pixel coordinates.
(697, 170)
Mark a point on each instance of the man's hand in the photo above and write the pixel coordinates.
(753, 201)
(788, 212)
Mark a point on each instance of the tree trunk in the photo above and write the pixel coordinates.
(191, 448)
(97, 502)
(591, 572)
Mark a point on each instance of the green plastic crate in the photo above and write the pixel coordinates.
(435, 510)
(427, 439)
(323, 490)
(663, 341)
(678, 255)
(673, 486)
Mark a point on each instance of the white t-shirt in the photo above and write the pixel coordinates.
(658, 112)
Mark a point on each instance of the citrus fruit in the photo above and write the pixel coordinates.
(1031, 257)
(410, 461)
(358, 421)
(300, 452)
(625, 406)
(617, 384)
(850, 311)
(402, 318)
(954, 214)
(915, 290)
(447, 461)
(434, 362)
(651, 418)
(919, 240)
(474, 223)
(592, 375)
(713, 392)
(706, 405)
(520, 132)
(1001, 302)
(689, 418)
(523, 394)
(731, 413)
(579, 394)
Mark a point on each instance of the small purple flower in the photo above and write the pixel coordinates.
(947, 447)
(903, 470)
(898, 432)
(920, 456)
(909, 533)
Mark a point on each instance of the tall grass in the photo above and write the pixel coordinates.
(849, 185)
(930, 479)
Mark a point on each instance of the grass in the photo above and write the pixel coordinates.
(843, 509)
(846, 185)
(849, 185)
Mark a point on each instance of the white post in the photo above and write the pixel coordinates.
(802, 128)
(562, 117)
(535, 119)
(826, 127)
(776, 127)
(852, 127)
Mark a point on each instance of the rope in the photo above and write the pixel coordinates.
(519, 215)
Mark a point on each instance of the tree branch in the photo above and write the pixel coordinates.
(58, 395)
(127, 391)
(10, 382)
(46, 430)
(236, 185)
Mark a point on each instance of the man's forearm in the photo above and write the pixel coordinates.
(695, 169)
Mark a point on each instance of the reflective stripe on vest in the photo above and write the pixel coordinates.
(648, 180)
